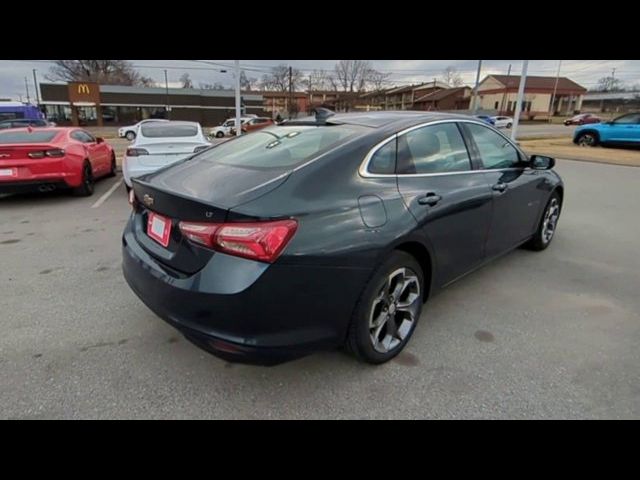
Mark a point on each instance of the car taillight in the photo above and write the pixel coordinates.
(136, 152)
(262, 241)
(54, 153)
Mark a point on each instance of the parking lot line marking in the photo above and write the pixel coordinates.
(104, 197)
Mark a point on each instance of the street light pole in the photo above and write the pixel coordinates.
(555, 87)
(516, 118)
(237, 124)
(26, 85)
(35, 85)
(166, 87)
(475, 90)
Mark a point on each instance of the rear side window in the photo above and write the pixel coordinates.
(162, 130)
(383, 160)
(433, 149)
(278, 147)
(27, 137)
(495, 151)
(628, 119)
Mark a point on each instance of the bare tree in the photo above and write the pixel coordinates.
(212, 86)
(247, 83)
(376, 80)
(107, 72)
(185, 79)
(319, 80)
(610, 84)
(451, 77)
(351, 75)
(278, 79)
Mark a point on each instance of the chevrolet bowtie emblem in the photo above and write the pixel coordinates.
(148, 200)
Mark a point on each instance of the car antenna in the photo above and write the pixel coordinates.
(322, 114)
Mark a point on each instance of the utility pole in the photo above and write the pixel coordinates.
(290, 91)
(238, 125)
(555, 87)
(506, 90)
(166, 87)
(475, 90)
(516, 118)
(35, 85)
(26, 85)
(613, 78)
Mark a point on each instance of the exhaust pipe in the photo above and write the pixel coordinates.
(46, 188)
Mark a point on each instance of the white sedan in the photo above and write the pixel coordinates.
(503, 122)
(225, 129)
(159, 144)
(131, 131)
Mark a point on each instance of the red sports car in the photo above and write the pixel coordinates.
(43, 159)
(582, 119)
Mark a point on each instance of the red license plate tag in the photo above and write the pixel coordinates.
(159, 228)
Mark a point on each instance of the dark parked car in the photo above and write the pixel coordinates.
(316, 234)
(582, 119)
(24, 122)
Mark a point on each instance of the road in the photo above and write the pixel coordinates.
(552, 334)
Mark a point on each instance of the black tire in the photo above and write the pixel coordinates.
(509, 125)
(86, 187)
(541, 238)
(130, 135)
(219, 134)
(374, 304)
(588, 139)
(113, 170)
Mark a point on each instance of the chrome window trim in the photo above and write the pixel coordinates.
(364, 166)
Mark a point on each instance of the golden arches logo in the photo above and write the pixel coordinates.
(83, 88)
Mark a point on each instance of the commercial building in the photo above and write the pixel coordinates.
(611, 102)
(456, 98)
(500, 93)
(92, 104)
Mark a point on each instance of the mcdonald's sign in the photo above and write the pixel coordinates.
(84, 92)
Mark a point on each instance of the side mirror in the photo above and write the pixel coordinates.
(99, 140)
(540, 162)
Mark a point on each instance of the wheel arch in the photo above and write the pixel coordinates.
(421, 253)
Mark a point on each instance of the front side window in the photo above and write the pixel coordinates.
(432, 149)
(632, 119)
(495, 151)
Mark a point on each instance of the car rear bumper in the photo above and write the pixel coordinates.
(26, 186)
(247, 311)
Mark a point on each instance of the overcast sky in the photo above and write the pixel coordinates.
(402, 72)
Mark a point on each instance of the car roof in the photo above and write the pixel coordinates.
(399, 119)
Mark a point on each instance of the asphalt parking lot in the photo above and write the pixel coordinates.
(553, 334)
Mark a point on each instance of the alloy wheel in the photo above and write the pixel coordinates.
(550, 220)
(394, 310)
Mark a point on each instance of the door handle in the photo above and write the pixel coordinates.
(500, 187)
(430, 199)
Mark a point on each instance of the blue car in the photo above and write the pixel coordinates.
(487, 118)
(624, 130)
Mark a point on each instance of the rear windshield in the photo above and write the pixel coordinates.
(278, 147)
(27, 137)
(162, 130)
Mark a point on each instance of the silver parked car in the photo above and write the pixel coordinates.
(159, 144)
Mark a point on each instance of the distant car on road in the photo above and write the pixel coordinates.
(225, 129)
(502, 122)
(159, 144)
(487, 119)
(25, 122)
(254, 124)
(44, 159)
(624, 130)
(131, 131)
(582, 119)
